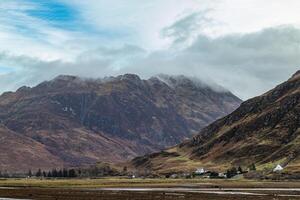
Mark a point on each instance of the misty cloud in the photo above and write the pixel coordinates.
(245, 53)
(247, 64)
(187, 27)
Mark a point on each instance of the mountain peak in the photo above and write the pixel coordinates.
(118, 118)
(130, 77)
(263, 130)
(182, 80)
(65, 78)
(297, 74)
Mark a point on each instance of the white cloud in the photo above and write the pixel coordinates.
(21, 34)
(247, 64)
(224, 40)
(137, 22)
(253, 15)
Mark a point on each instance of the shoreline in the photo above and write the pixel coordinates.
(148, 194)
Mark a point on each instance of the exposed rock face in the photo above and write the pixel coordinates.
(80, 121)
(265, 129)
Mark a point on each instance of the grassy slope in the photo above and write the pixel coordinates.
(119, 182)
(264, 130)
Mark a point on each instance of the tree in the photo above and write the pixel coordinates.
(65, 173)
(39, 173)
(5, 174)
(231, 172)
(29, 173)
(252, 167)
(79, 172)
(72, 173)
(54, 173)
(124, 169)
(240, 169)
(49, 174)
(44, 174)
(214, 175)
(60, 173)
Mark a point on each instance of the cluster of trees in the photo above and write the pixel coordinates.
(234, 171)
(4, 175)
(100, 170)
(63, 173)
(97, 170)
(252, 167)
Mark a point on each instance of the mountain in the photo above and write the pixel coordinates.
(264, 130)
(71, 121)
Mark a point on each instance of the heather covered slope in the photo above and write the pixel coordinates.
(17, 151)
(81, 121)
(264, 130)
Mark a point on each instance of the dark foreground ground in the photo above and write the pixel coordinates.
(140, 189)
(80, 194)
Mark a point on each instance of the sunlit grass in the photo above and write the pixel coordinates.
(124, 182)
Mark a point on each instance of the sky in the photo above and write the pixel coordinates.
(246, 46)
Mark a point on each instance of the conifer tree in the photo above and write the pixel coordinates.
(72, 173)
(54, 173)
(65, 172)
(252, 167)
(60, 173)
(240, 169)
(39, 173)
(29, 173)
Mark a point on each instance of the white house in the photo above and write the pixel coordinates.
(174, 176)
(278, 168)
(222, 175)
(200, 171)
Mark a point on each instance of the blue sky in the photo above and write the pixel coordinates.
(251, 44)
(53, 11)
(4, 69)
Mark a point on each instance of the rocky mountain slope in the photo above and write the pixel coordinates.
(264, 130)
(70, 121)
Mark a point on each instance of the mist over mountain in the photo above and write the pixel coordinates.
(264, 130)
(73, 121)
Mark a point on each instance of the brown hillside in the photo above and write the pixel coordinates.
(80, 121)
(263, 130)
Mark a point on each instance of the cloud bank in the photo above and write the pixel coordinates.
(189, 38)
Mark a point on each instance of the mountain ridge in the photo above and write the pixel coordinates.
(264, 130)
(81, 120)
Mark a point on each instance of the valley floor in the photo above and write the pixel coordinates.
(147, 189)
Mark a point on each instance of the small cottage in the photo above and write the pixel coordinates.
(278, 168)
(174, 176)
(200, 171)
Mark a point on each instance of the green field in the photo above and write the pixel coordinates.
(124, 182)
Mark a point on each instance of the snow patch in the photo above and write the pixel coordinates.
(176, 80)
(69, 109)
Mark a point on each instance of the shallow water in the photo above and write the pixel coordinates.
(200, 189)
(178, 193)
(219, 191)
(11, 199)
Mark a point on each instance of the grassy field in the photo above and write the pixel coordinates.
(81, 189)
(124, 182)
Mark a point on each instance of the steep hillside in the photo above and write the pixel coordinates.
(20, 150)
(264, 130)
(80, 121)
